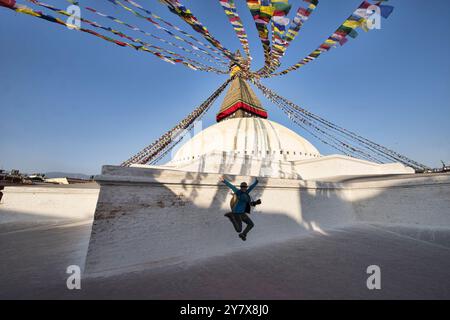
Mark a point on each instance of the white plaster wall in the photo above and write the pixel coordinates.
(32, 204)
(422, 200)
(338, 165)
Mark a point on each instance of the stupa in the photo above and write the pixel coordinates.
(155, 215)
(245, 142)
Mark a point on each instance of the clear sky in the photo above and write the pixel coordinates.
(73, 102)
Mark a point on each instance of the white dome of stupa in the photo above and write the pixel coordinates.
(243, 142)
(249, 136)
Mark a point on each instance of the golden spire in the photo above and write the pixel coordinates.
(240, 102)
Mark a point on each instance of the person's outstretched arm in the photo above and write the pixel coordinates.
(253, 185)
(232, 187)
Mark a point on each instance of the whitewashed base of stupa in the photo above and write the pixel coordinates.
(150, 217)
(324, 167)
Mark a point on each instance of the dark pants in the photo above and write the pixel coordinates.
(237, 220)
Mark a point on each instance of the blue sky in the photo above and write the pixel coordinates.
(73, 102)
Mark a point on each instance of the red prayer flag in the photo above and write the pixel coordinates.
(8, 3)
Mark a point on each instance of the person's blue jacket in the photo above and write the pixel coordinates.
(243, 197)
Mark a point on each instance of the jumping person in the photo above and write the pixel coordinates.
(241, 206)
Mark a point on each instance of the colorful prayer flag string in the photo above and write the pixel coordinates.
(359, 18)
(279, 24)
(201, 43)
(196, 64)
(284, 31)
(159, 27)
(38, 14)
(262, 13)
(134, 28)
(193, 52)
(180, 10)
(158, 148)
(230, 10)
(295, 25)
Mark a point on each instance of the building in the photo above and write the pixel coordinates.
(67, 180)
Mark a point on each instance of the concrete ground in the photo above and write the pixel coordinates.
(414, 262)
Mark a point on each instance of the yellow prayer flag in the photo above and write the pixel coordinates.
(27, 11)
(351, 24)
(267, 10)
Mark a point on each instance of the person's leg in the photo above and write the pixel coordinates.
(248, 222)
(238, 225)
(236, 221)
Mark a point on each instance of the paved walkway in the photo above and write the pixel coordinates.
(414, 262)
